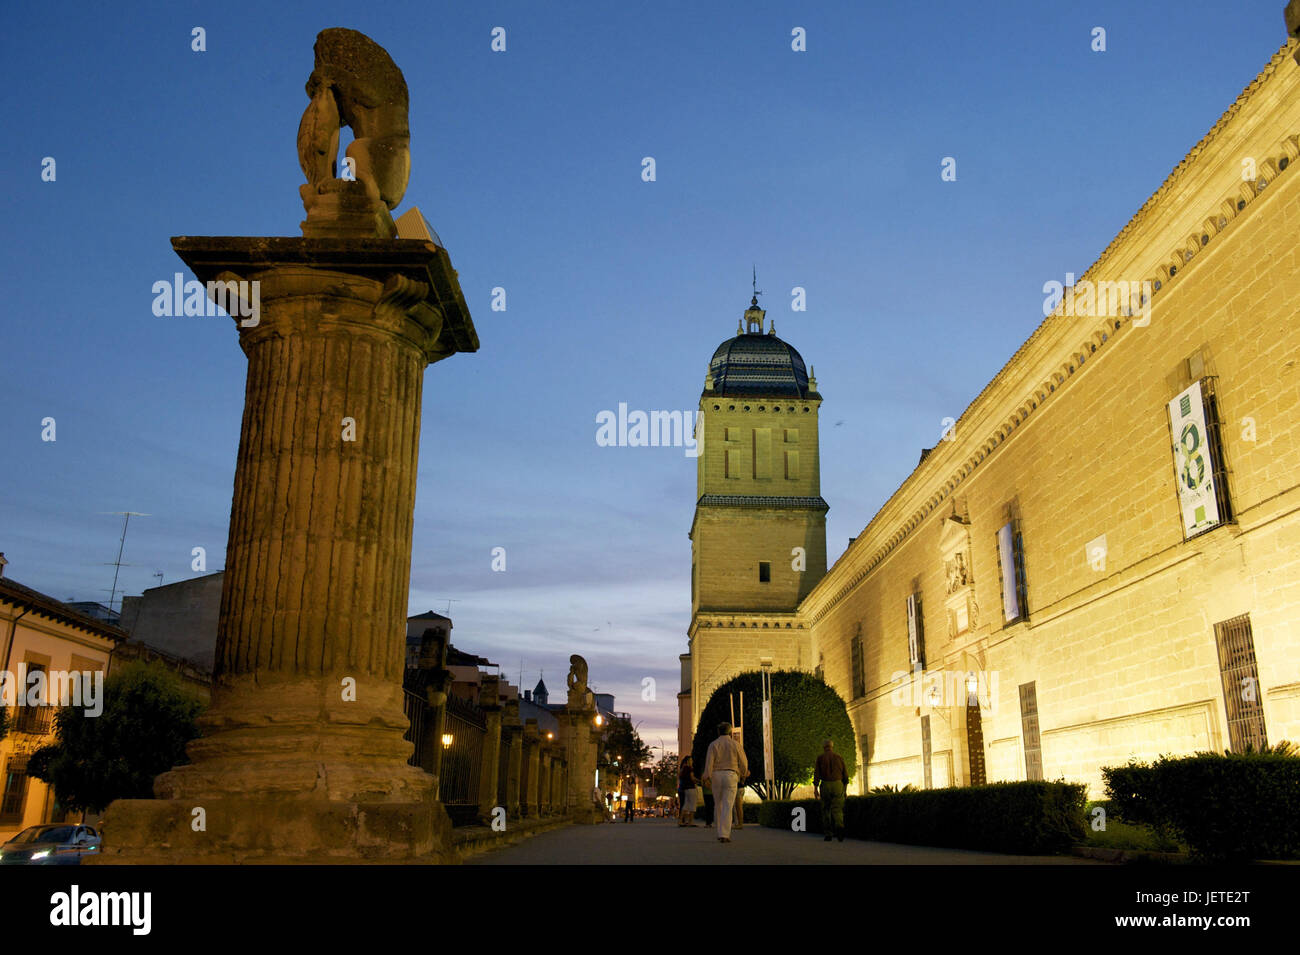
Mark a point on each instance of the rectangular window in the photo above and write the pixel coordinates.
(1029, 728)
(36, 720)
(859, 681)
(1241, 695)
(925, 752)
(764, 572)
(1199, 468)
(1011, 570)
(762, 454)
(792, 465)
(915, 632)
(15, 790)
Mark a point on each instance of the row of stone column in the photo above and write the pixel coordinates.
(525, 771)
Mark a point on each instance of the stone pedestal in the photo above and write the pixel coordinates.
(581, 740)
(302, 755)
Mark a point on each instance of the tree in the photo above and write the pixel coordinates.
(147, 719)
(665, 774)
(805, 712)
(623, 749)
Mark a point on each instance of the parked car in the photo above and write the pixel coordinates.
(58, 844)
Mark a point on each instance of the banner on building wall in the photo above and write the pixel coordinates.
(913, 636)
(1193, 465)
(1007, 557)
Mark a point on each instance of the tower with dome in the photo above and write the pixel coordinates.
(758, 540)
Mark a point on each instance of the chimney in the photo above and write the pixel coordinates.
(528, 696)
(2, 563)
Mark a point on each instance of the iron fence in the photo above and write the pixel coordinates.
(463, 731)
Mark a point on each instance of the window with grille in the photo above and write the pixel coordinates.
(859, 681)
(1241, 691)
(925, 752)
(15, 790)
(1011, 570)
(1029, 728)
(915, 633)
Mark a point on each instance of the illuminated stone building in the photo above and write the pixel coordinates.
(1106, 544)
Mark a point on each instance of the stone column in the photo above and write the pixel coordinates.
(302, 755)
(514, 759)
(532, 745)
(489, 701)
(558, 792)
(544, 780)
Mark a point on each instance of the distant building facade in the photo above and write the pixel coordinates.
(38, 632)
(180, 619)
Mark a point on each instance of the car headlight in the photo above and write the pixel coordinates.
(40, 855)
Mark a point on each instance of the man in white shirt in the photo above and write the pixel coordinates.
(725, 768)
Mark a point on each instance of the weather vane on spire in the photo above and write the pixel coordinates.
(757, 293)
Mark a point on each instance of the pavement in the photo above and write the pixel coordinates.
(660, 842)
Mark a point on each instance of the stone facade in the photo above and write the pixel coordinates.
(1115, 653)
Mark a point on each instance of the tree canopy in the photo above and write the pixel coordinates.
(805, 711)
(147, 719)
(622, 743)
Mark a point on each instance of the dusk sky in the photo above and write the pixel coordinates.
(819, 168)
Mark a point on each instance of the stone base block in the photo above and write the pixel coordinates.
(271, 830)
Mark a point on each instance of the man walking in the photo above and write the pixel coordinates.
(830, 777)
(725, 768)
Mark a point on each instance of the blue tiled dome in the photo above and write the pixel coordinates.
(758, 365)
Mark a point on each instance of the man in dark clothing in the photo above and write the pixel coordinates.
(830, 778)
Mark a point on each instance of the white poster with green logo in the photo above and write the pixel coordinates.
(1193, 464)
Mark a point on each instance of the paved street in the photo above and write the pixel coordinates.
(660, 842)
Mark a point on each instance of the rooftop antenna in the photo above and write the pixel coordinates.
(450, 601)
(117, 564)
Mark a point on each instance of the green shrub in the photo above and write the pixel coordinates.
(1025, 818)
(1230, 807)
(1132, 794)
(1233, 807)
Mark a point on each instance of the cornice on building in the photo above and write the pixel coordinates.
(1162, 239)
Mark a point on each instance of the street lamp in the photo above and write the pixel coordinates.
(446, 740)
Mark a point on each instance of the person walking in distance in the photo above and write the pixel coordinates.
(725, 768)
(686, 790)
(830, 778)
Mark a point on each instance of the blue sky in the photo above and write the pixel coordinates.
(820, 167)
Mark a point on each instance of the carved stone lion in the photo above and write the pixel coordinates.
(356, 84)
(577, 673)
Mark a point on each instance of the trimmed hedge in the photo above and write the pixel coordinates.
(1234, 807)
(1024, 818)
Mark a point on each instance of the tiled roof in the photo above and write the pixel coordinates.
(47, 606)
